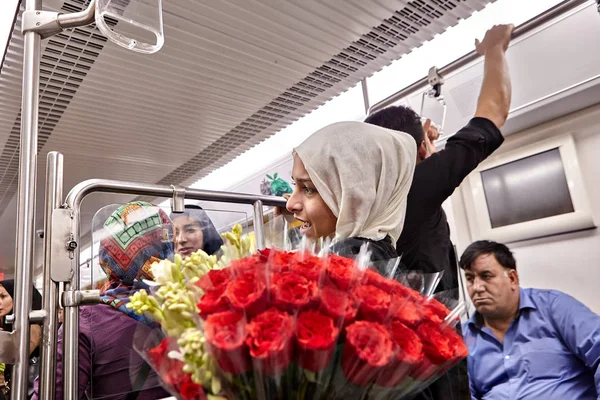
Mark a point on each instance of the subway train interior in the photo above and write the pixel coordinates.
(187, 102)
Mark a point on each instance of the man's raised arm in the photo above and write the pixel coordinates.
(495, 96)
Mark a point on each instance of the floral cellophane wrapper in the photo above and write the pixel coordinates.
(281, 324)
(155, 347)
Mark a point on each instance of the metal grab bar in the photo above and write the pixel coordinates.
(81, 190)
(54, 194)
(72, 204)
(35, 25)
(26, 204)
(81, 18)
(468, 58)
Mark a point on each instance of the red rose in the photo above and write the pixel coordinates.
(405, 310)
(338, 305)
(247, 294)
(408, 354)
(410, 347)
(374, 303)
(368, 348)
(225, 335)
(458, 346)
(214, 279)
(341, 272)
(158, 353)
(280, 261)
(436, 342)
(169, 369)
(373, 278)
(246, 265)
(213, 302)
(308, 266)
(316, 337)
(439, 349)
(433, 310)
(264, 254)
(404, 292)
(190, 390)
(292, 292)
(270, 341)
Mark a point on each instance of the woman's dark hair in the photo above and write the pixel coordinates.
(484, 247)
(36, 300)
(399, 118)
(36, 304)
(212, 241)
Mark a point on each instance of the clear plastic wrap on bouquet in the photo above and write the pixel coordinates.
(163, 355)
(281, 324)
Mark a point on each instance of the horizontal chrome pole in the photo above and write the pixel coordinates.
(36, 317)
(81, 18)
(81, 190)
(50, 23)
(467, 59)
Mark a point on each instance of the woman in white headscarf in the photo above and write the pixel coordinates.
(352, 180)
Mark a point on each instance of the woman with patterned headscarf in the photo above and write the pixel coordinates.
(134, 236)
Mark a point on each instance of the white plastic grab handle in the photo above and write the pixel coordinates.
(144, 15)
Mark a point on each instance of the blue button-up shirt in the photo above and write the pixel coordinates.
(551, 351)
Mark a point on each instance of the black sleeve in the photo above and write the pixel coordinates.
(380, 250)
(437, 176)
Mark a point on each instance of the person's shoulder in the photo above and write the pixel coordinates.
(547, 297)
(545, 293)
(484, 124)
(103, 312)
(478, 130)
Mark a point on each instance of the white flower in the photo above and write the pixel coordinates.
(162, 272)
(175, 355)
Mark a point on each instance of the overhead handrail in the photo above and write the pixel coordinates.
(467, 59)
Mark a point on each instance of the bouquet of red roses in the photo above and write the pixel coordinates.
(293, 325)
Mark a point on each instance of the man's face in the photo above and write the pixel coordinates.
(493, 289)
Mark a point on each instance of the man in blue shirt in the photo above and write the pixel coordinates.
(526, 343)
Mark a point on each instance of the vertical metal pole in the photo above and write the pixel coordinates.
(54, 194)
(26, 205)
(365, 92)
(259, 225)
(71, 324)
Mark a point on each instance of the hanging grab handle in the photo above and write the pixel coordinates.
(136, 25)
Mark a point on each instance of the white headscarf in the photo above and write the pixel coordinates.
(363, 173)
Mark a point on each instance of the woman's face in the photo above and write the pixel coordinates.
(6, 302)
(188, 236)
(308, 207)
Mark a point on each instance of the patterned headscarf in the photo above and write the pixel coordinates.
(136, 235)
